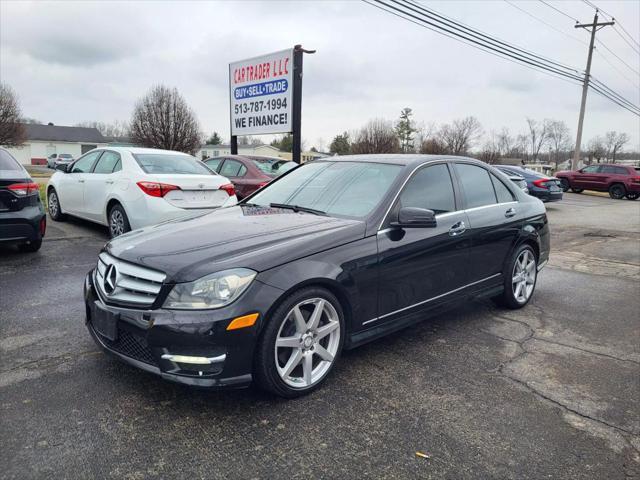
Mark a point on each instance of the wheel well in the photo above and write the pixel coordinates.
(534, 246)
(326, 284)
(110, 205)
(618, 183)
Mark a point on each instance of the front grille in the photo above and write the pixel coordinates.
(127, 284)
(131, 345)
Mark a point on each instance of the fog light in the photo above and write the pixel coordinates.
(194, 360)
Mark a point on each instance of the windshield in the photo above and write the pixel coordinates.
(171, 163)
(351, 189)
(65, 155)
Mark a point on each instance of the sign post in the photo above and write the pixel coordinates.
(266, 96)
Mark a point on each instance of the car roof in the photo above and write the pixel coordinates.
(397, 159)
(140, 150)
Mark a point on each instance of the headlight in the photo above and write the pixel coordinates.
(213, 291)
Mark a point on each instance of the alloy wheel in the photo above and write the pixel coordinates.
(617, 192)
(53, 204)
(116, 222)
(524, 276)
(307, 342)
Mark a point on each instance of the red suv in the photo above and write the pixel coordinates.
(619, 180)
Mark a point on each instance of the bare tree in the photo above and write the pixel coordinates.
(12, 132)
(113, 130)
(596, 149)
(614, 142)
(506, 142)
(162, 119)
(460, 136)
(377, 136)
(490, 152)
(248, 140)
(433, 146)
(559, 141)
(538, 136)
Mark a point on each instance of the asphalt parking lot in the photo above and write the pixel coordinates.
(550, 391)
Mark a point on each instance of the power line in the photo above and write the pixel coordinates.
(605, 14)
(598, 90)
(565, 78)
(617, 69)
(576, 39)
(559, 11)
(613, 93)
(621, 60)
(486, 41)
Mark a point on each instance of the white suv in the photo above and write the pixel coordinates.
(127, 188)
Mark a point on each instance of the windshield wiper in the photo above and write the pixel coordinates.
(297, 208)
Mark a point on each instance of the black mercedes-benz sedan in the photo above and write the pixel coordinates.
(328, 256)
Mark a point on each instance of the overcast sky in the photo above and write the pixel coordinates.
(83, 61)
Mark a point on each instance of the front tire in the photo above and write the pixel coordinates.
(617, 191)
(118, 221)
(577, 190)
(564, 184)
(300, 344)
(520, 277)
(53, 206)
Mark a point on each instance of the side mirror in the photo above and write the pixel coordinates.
(62, 167)
(413, 217)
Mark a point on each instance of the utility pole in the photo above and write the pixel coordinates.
(595, 26)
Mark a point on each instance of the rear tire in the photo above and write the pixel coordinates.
(118, 221)
(617, 191)
(32, 246)
(520, 278)
(298, 369)
(53, 206)
(564, 184)
(632, 196)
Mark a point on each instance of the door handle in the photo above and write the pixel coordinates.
(80, 181)
(510, 213)
(108, 181)
(457, 229)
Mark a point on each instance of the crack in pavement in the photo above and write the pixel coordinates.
(69, 356)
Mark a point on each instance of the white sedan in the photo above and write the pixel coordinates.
(127, 188)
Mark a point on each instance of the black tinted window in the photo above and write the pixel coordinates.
(430, 188)
(614, 170)
(7, 162)
(478, 189)
(107, 163)
(502, 192)
(591, 169)
(84, 164)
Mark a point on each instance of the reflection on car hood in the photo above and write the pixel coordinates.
(252, 237)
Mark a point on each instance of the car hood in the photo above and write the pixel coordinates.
(258, 238)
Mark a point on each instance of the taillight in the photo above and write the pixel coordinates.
(24, 189)
(156, 189)
(229, 188)
(541, 183)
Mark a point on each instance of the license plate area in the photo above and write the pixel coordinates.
(105, 322)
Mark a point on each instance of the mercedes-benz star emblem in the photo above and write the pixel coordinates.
(110, 279)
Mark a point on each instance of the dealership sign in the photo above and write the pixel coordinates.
(261, 94)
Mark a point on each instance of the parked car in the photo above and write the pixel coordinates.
(519, 181)
(619, 180)
(336, 253)
(540, 186)
(248, 173)
(128, 188)
(55, 159)
(22, 216)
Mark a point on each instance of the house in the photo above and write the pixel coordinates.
(304, 156)
(207, 151)
(43, 140)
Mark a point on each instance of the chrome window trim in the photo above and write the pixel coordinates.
(431, 299)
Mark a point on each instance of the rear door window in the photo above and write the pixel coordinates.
(477, 185)
(502, 191)
(213, 163)
(232, 168)
(107, 163)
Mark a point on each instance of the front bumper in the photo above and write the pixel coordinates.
(142, 337)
